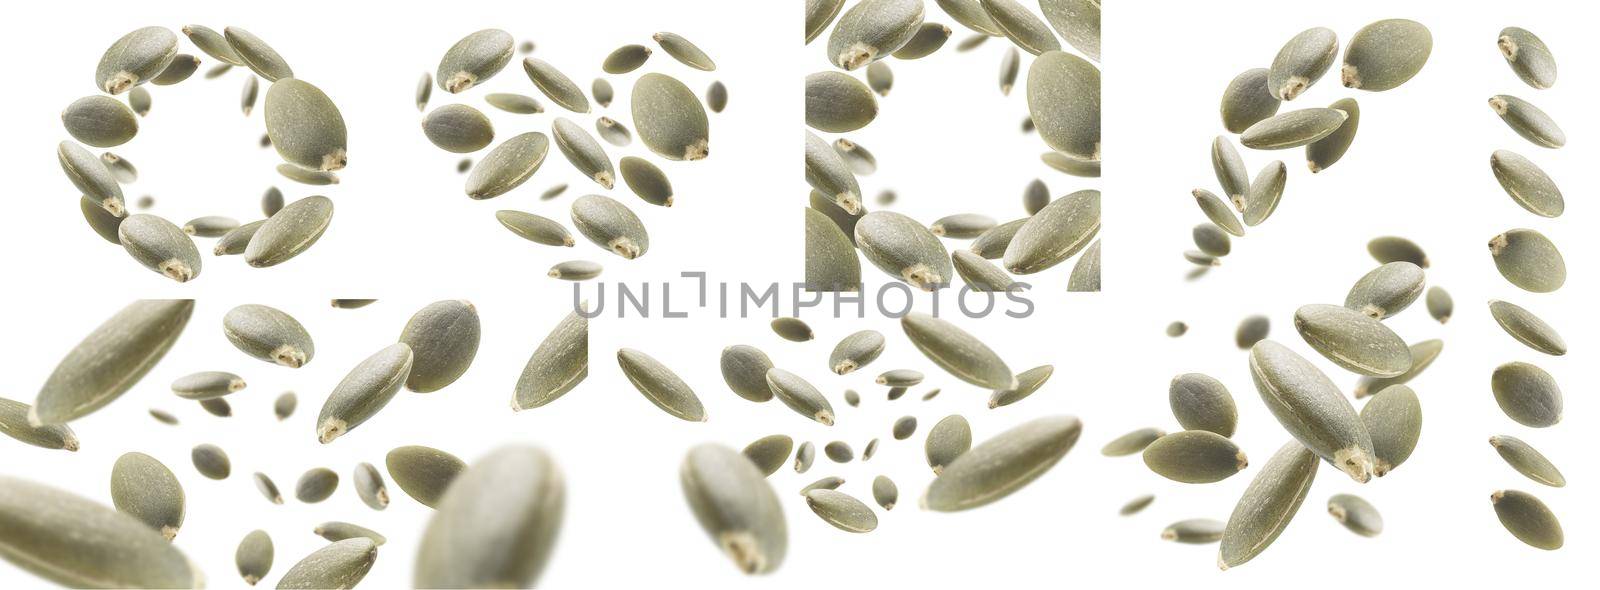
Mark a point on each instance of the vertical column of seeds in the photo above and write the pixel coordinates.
(1528, 261)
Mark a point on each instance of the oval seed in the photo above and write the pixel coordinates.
(303, 175)
(423, 473)
(602, 91)
(271, 201)
(852, 398)
(1440, 305)
(213, 43)
(211, 461)
(1251, 330)
(800, 395)
(1528, 57)
(820, 14)
(90, 176)
(289, 232)
(1202, 260)
(508, 165)
(1386, 290)
(880, 78)
(1194, 456)
(73, 541)
(643, 178)
(557, 86)
(615, 134)
(1085, 275)
(610, 225)
(100, 121)
(846, 222)
(896, 393)
(1201, 402)
(364, 391)
(1021, 26)
(316, 485)
(284, 406)
(980, 274)
(353, 303)
(962, 226)
(1078, 21)
(855, 351)
(583, 152)
(744, 368)
(1527, 328)
(1055, 233)
(884, 492)
(423, 92)
(144, 488)
(1356, 514)
(1136, 505)
(254, 556)
(120, 168)
(669, 118)
(1218, 212)
(1195, 531)
(685, 52)
(1525, 258)
(1035, 197)
(1028, 382)
(1527, 460)
(183, 65)
(139, 100)
(1293, 129)
(661, 385)
(971, 14)
(769, 453)
(1003, 464)
(1394, 419)
(458, 128)
(626, 59)
(839, 451)
(135, 58)
(110, 360)
(14, 423)
(534, 228)
(1311, 409)
(1528, 121)
(1247, 100)
(1231, 174)
(101, 221)
(1353, 340)
(736, 507)
(838, 103)
(1422, 354)
(268, 334)
(256, 54)
(1322, 153)
(1385, 54)
(337, 565)
(872, 445)
(474, 59)
(210, 226)
(831, 260)
(842, 510)
(1301, 62)
(827, 483)
(829, 175)
(305, 126)
(1527, 519)
(520, 104)
(1527, 394)
(858, 158)
(1527, 184)
(559, 364)
(947, 440)
(928, 39)
(1268, 504)
(369, 486)
(1064, 102)
(900, 378)
(444, 340)
(338, 531)
(1211, 239)
(214, 72)
(904, 249)
(1132, 442)
(207, 385)
(873, 29)
(957, 352)
(268, 489)
(217, 406)
(1388, 249)
(804, 457)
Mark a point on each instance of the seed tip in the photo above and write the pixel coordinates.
(1350, 77)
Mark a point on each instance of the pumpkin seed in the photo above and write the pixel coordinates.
(669, 118)
(838, 103)
(1440, 305)
(289, 232)
(1194, 531)
(534, 228)
(1021, 26)
(136, 58)
(1176, 329)
(1528, 260)
(1527, 394)
(957, 352)
(1301, 62)
(144, 488)
(626, 59)
(213, 43)
(253, 558)
(207, 385)
(1218, 212)
(884, 492)
(856, 157)
(1356, 514)
(423, 473)
(1528, 57)
(1527, 519)
(1527, 184)
(353, 303)
(1264, 193)
(474, 59)
(615, 134)
(828, 174)
(271, 201)
(338, 531)
(927, 40)
(872, 445)
(217, 406)
(839, 452)
(831, 261)
(211, 461)
(1385, 54)
(855, 351)
(980, 274)
(1386, 290)
(1248, 100)
(1311, 409)
(583, 152)
(1353, 340)
(896, 393)
(1231, 174)
(316, 485)
(1136, 505)
(1388, 249)
(1293, 129)
(904, 249)
(1422, 354)
(1203, 260)
(1194, 456)
(268, 489)
(520, 104)
(337, 565)
(557, 86)
(424, 91)
(1001, 465)
(259, 56)
(873, 29)
(1078, 21)
(554, 191)
(1324, 152)
(302, 175)
(1528, 121)
(804, 457)
(120, 168)
(1211, 239)
(210, 226)
(769, 453)
(444, 340)
(1527, 460)
(559, 364)
(284, 406)
(1064, 102)
(1085, 275)
(364, 391)
(1251, 330)
(214, 72)
(852, 398)
(611, 225)
(661, 385)
(744, 368)
(100, 121)
(880, 78)
(267, 334)
(1527, 328)
(949, 439)
(841, 510)
(1055, 233)
(800, 395)
(1132, 442)
(110, 360)
(306, 127)
(101, 221)
(458, 128)
(845, 221)
(369, 486)
(1268, 504)
(1035, 196)
(736, 507)
(1394, 419)
(685, 52)
(508, 165)
(14, 423)
(73, 541)
(962, 226)
(971, 14)
(1028, 382)
(820, 14)
(1201, 402)
(247, 95)
(90, 176)
(993, 243)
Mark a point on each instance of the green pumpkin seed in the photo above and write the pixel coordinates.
(820, 14)
(858, 158)
(423, 473)
(1301, 62)
(1218, 212)
(110, 360)
(871, 30)
(144, 488)
(338, 531)
(669, 118)
(1527, 394)
(211, 461)
(928, 39)
(136, 58)
(207, 385)
(1176, 329)
(842, 510)
(1136, 505)
(1386, 290)
(1003, 464)
(1064, 102)
(1264, 193)
(1132, 442)
(284, 406)
(534, 228)
(120, 168)
(337, 565)
(1527, 184)
(369, 486)
(1248, 100)
(800, 395)
(1211, 239)
(1200, 402)
(256, 54)
(1388, 249)
(217, 406)
(1324, 152)
(302, 175)
(1440, 305)
(1078, 21)
(14, 423)
(73, 541)
(827, 173)
(744, 368)
(980, 275)
(852, 398)
(736, 507)
(1293, 129)
(1394, 419)
(1195, 456)
(268, 489)
(884, 492)
(424, 91)
(1353, 340)
(557, 86)
(289, 232)
(254, 556)
(364, 391)
(1268, 504)
(957, 352)
(1085, 275)
(316, 484)
(1385, 54)
(559, 364)
(685, 52)
(827, 483)
(1055, 233)
(1356, 514)
(838, 103)
(1194, 531)
(183, 65)
(1528, 121)
(1251, 330)
(947, 440)
(583, 152)
(520, 104)
(268, 334)
(804, 457)
(661, 385)
(872, 445)
(210, 226)
(1021, 26)
(271, 201)
(236, 240)
(306, 127)
(1203, 260)
(1528, 260)
(213, 43)
(903, 248)
(1422, 354)
(100, 121)
(1309, 406)
(458, 128)
(353, 303)
(611, 225)
(831, 260)
(839, 452)
(962, 226)
(1528, 57)
(1035, 197)
(896, 393)
(1527, 328)
(880, 78)
(1527, 519)
(474, 59)
(508, 165)
(971, 14)
(769, 453)
(444, 340)
(1231, 174)
(1028, 382)
(90, 176)
(101, 221)
(646, 180)
(855, 351)
(212, 73)
(614, 133)
(626, 59)
(1527, 460)
(845, 221)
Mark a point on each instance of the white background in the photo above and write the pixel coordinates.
(947, 142)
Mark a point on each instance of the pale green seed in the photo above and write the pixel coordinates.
(1201, 259)
(1388, 249)
(284, 406)
(353, 303)
(884, 492)
(669, 118)
(100, 121)
(828, 174)
(135, 58)
(558, 364)
(1002, 465)
(1353, 340)
(139, 100)
(1526, 259)
(316, 484)
(14, 423)
(101, 221)
(602, 91)
(1078, 21)
(424, 91)
(253, 558)
(218, 407)
(444, 340)
(841, 510)
(684, 51)
(1422, 354)
(1200, 402)
(207, 385)
(1247, 100)
(611, 225)
(970, 13)
(268, 334)
(1386, 290)
(1264, 193)
(182, 67)
(1176, 329)
(852, 398)
(303, 175)
(626, 59)
(305, 126)
(792, 329)
(256, 54)
(1136, 505)
(927, 40)
(458, 128)
(993, 244)
(1309, 406)
(947, 440)
(1231, 174)
(736, 507)
(423, 473)
(535, 228)
(1212, 239)
(1527, 460)
(1132, 442)
(368, 482)
(804, 457)
(856, 351)
(1301, 62)
(871, 30)
(75, 542)
(831, 260)
(880, 78)
(364, 391)
(583, 152)
(557, 86)
(1218, 212)
(211, 461)
(1528, 519)
(661, 385)
(289, 232)
(1293, 129)
(904, 249)
(1324, 152)
(268, 489)
(1440, 305)
(1035, 196)
(1528, 57)
(769, 453)
(338, 531)
(474, 59)
(957, 351)
(872, 445)
(213, 43)
(214, 72)
(144, 488)
(1393, 417)
(90, 176)
(210, 226)
(520, 104)
(1527, 394)
(820, 14)
(1268, 504)
(744, 368)
(508, 165)
(1528, 121)
(1064, 102)
(1021, 26)
(800, 395)
(1195, 456)
(1028, 382)
(839, 452)
(1194, 531)
(980, 275)
(1385, 54)
(1055, 233)
(271, 201)
(1527, 184)
(858, 158)
(845, 221)
(1251, 330)
(904, 427)
(838, 103)
(1356, 514)
(615, 134)
(1527, 328)
(338, 565)
(1085, 275)
(160, 246)
(962, 226)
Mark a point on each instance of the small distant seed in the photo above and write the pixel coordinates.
(1388, 249)
(1176, 329)
(458, 128)
(947, 440)
(962, 226)
(289, 232)
(369, 486)
(1003, 464)
(855, 351)
(1527, 519)
(303, 175)
(338, 531)
(839, 451)
(615, 134)
(602, 91)
(957, 352)
(873, 29)
(1324, 152)
(316, 485)
(900, 378)
(1385, 54)
(284, 406)
(800, 395)
(626, 59)
(1356, 514)
(842, 511)
(1195, 531)
(423, 92)
(508, 165)
(1527, 394)
(684, 51)
(838, 103)
(120, 168)
(1527, 460)
(364, 391)
(904, 427)
(207, 385)
(852, 398)
(268, 489)
(870, 450)
(253, 558)
(980, 274)
(717, 97)
(1248, 100)
(218, 407)
(1527, 328)
(1528, 121)
(1310, 407)
(247, 95)
(210, 226)
(1212, 239)
(1035, 197)
(880, 78)
(1528, 57)
(1194, 456)
(804, 457)
(1064, 102)
(858, 158)
(661, 385)
(423, 473)
(1267, 505)
(1251, 330)
(256, 54)
(1132, 443)
(1524, 257)
(831, 482)
(1301, 62)
(736, 507)
(337, 565)
(101, 221)
(353, 303)
(1386, 290)
(1393, 417)
(210, 461)
(556, 85)
(669, 118)
(1136, 505)
(553, 192)
(884, 492)
(1440, 305)
(769, 453)
(896, 393)
(161, 416)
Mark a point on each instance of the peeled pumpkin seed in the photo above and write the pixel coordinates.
(1055, 233)
(284, 406)
(211, 461)
(303, 175)
(1528, 57)
(845, 221)
(980, 275)
(253, 558)
(610, 225)
(1218, 212)
(256, 54)
(271, 201)
(856, 351)
(947, 440)
(213, 43)
(661, 385)
(1353, 340)
(101, 221)
(1393, 417)
(305, 126)
(828, 174)
(904, 249)
(212, 73)
(1385, 54)
(559, 364)
(1132, 443)
(957, 352)
(646, 180)
(316, 485)
(1527, 519)
(338, 531)
(839, 452)
(182, 66)
(268, 334)
(1528, 121)
(1527, 460)
(1388, 249)
(1386, 290)
(838, 103)
(820, 14)
(685, 52)
(14, 423)
(626, 59)
(1439, 303)
(424, 91)
(353, 303)
(534, 228)
(1301, 62)
(1195, 531)
(744, 368)
(217, 406)
(1136, 505)
(289, 232)
(1268, 505)
(842, 510)
(831, 260)
(736, 507)
(928, 39)
(880, 78)
(207, 385)
(1248, 100)
(423, 473)
(1356, 514)
(804, 457)
(268, 489)
(1001, 465)
(1527, 184)
(884, 492)
(1324, 152)
(474, 59)
(1264, 193)
(110, 360)
(508, 165)
(458, 129)
(871, 30)
(144, 488)
(557, 86)
(1524, 257)
(800, 395)
(364, 391)
(1422, 354)
(520, 104)
(100, 121)
(1078, 22)
(1194, 456)
(1293, 129)
(1527, 394)
(368, 482)
(337, 565)
(872, 446)
(1527, 328)
(1085, 275)
(614, 133)
(1211, 239)
(669, 118)
(90, 176)
(444, 340)
(1201, 402)
(769, 453)
(1309, 406)
(1064, 102)
(135, 58)
(73, 541)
